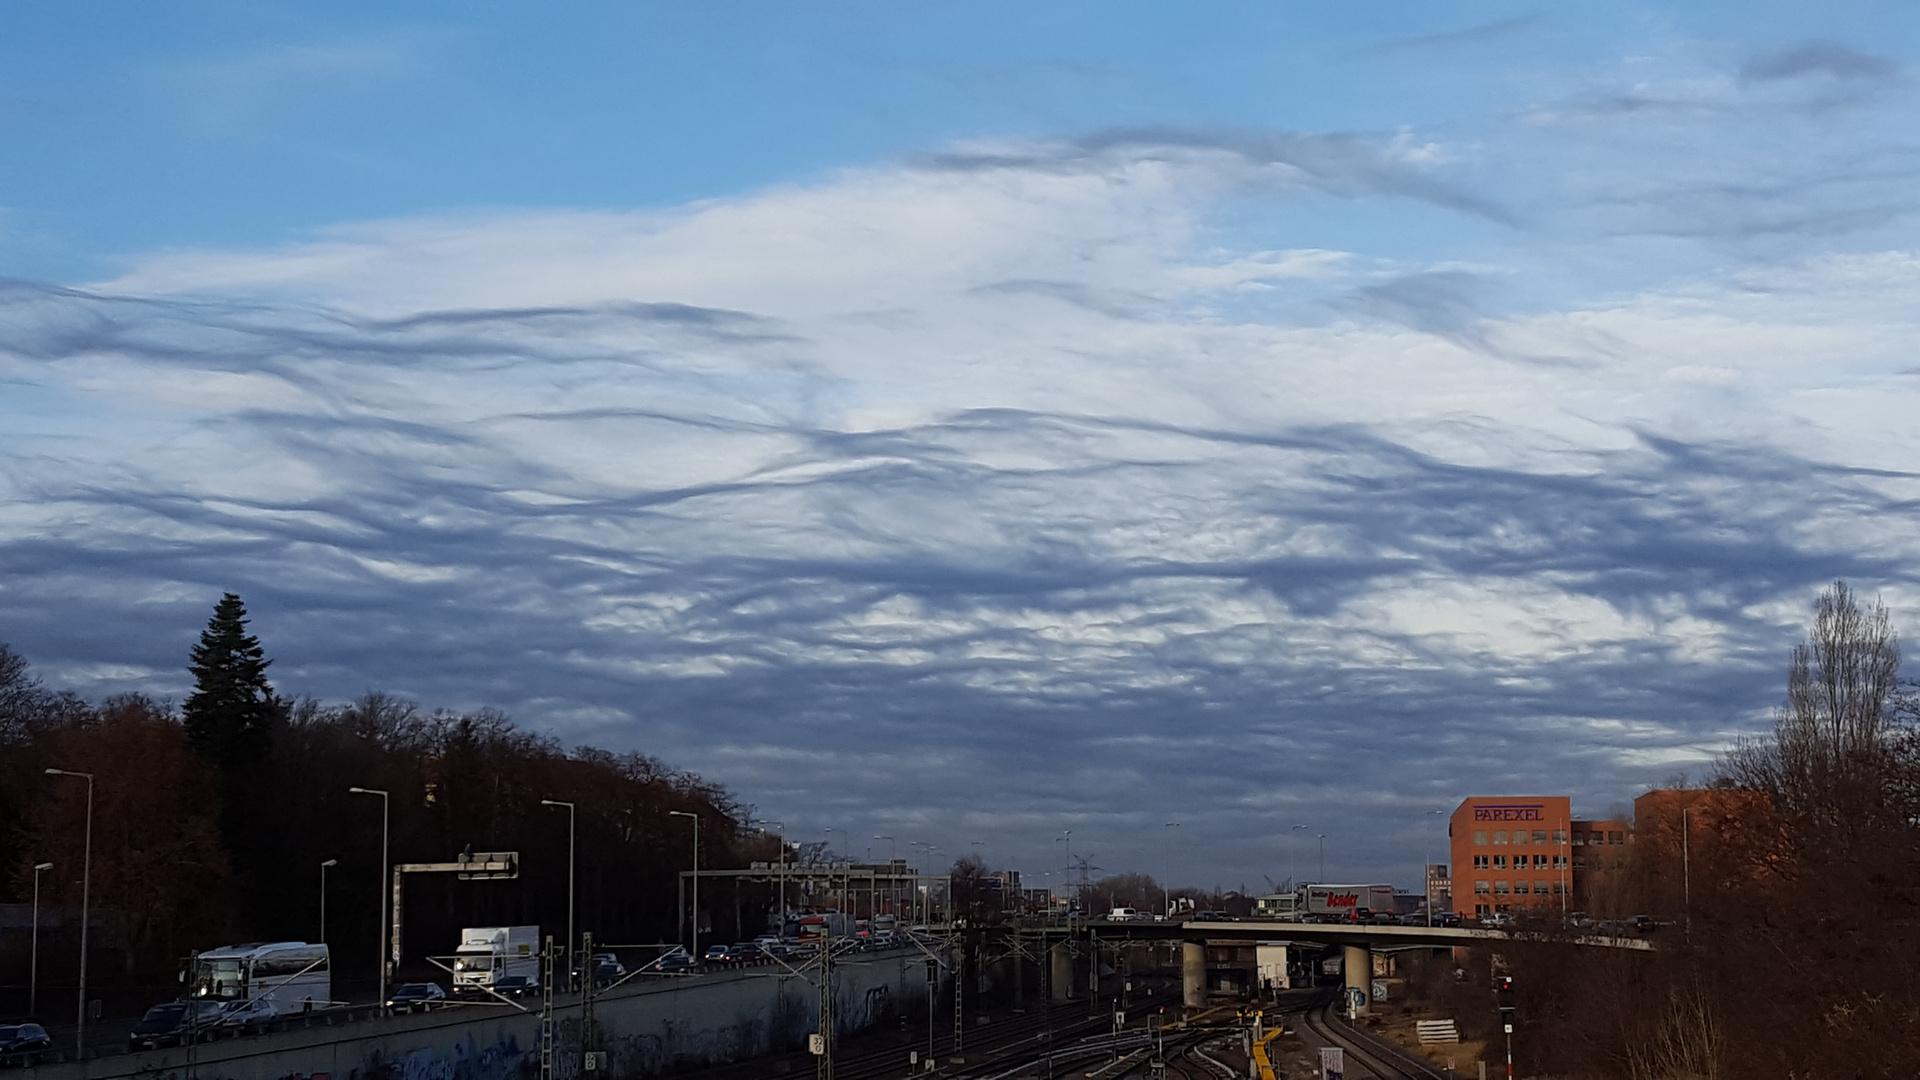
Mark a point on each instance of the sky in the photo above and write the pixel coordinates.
(1009, 428)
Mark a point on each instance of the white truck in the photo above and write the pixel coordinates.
(490, 955)
(1337, 903)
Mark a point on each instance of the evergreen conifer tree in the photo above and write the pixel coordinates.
(230, 715)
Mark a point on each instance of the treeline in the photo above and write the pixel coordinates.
(1789, 885)
(210, 828)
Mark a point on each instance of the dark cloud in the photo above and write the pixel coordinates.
(1829, 58)
(1339, 164)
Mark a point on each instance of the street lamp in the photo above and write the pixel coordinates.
(570, 879)
(33, 967)
(1428, 881)
(893, 891)
(1293, 856)
(1166, 871)
(86, 886)
(782, 826)
(323, 897)
(380, 884)
(696, 878)
(1323, 858)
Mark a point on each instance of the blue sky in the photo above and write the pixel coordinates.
(969, 422)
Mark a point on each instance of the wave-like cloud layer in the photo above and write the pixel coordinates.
(984, 496)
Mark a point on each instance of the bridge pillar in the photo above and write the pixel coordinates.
(1193, 974)
(1356, 964)
(1060, 972)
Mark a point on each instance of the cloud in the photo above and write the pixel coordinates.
(1828, 58)
(974, 497)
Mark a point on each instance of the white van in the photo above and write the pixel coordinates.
(1122, 914)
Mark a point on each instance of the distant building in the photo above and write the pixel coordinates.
(1439, 888)
(1511, 853)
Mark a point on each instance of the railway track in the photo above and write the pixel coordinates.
(1364, 1051)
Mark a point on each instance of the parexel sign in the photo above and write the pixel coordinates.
(1535, 812)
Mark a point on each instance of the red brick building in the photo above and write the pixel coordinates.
(1512, 853)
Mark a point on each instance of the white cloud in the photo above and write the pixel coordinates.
(965, 460)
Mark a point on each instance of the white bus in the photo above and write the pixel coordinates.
(283, 976)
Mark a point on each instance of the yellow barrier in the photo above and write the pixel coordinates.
(1260, 1057)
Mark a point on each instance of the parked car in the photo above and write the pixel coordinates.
(1414, 918)
(174, 1022)
(420, 995)
(1122, 914)
(606, 968)
(1498, 920)
(23, 1044)
(1643, 923)
(1446, 918)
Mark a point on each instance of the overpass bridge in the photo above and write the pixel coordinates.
(1358, 941)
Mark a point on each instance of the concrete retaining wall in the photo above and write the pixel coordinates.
(647, 1027)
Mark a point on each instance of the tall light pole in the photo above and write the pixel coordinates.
(323, 897)
(1686, 874)
(1293, 856)
(380, 879)
(893, 890)
(694, 906)
(1428, 882)
(782, 826)
(1166, 893)
(570, 880)
(1323, 858)
(86, 887)
(33, 965)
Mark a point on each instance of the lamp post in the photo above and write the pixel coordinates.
(323, 897)
(380, 884)
(1428, 881)
(1166, 870)
(1293, 856)
(33, 965)
(570, 880)
(893, 891)
(695, 904)
(1686, 874)
(86, 887)
(782, 826)
(1323, 858)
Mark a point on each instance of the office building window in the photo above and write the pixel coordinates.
(1479, 862)
(1520, 887)
(1539, 862)
(1579, 838)
(1540, 836)
(1616, 838)
(1481, 909)
(1540, 888)
(1559, 862)
(1559, 888)
(1502, 888)
(1499, 862)
(1560, 837)
(1499, 836)
(1480, 837)
(1481, 887)
(1579, 862)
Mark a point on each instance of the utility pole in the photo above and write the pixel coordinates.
(379, 937)
(589, 1035)
(33, 965)
(546, 1010)
(1686, 874)
(823, 1040)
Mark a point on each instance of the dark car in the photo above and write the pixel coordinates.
(1446, 918)
(517, 986)
(675, 961)
(174, 1022)
(1643, 923)
(23, 1044)
(420, 995)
